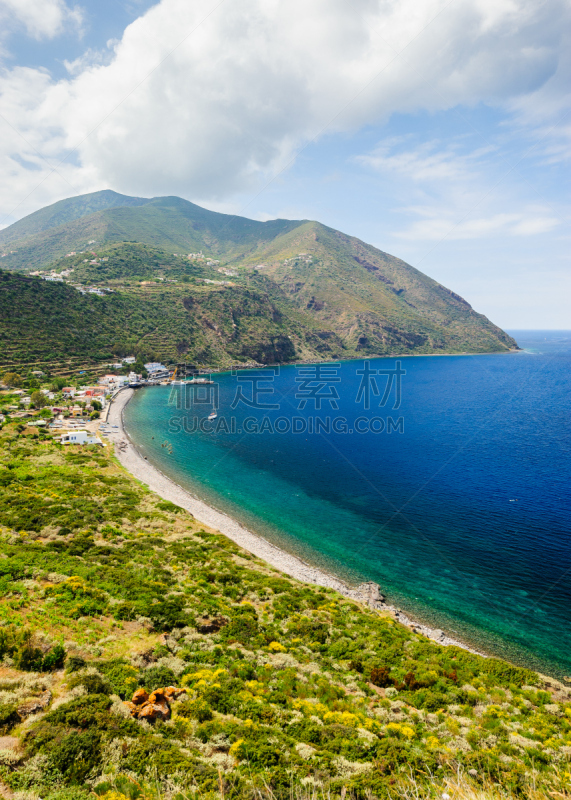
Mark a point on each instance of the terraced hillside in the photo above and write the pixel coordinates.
(47, 324)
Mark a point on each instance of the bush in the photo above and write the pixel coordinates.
(54, 659)
(165, 505)
(31, 659)
(125, 611)
(380, 676)
(76, 755)
(262, 755)
(84, 712)
(243, 627)
(167, 614)
(93, 684)
(312, 630)
(195, 709)
(122, 676)
(74, 664)
(156, 677)
(8, 717)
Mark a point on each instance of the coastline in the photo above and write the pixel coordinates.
(367, 593)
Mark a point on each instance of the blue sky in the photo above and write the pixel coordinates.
(439, 132)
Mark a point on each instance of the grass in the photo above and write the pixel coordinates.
(292, 691)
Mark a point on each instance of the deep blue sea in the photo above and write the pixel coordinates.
(448, 485)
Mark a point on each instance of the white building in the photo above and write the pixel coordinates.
(80, 437)
(129, 360)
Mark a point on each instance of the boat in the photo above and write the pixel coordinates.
(212, 415)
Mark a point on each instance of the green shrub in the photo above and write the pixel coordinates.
(76, 755)
(167, 614)
(29, 659)
(83, 712)
(18, 645)
(195, 709)
(262, 755)
(170, 507)
(156, 677)
(123, 677)
(125, 611)
(54, 659)
(74, 664)
(243, 627)
(93, 684)
(8, 717)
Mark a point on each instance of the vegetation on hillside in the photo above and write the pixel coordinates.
(290, 690)
(127, 262)
(65, 211)
(346, 291)
(44, 323)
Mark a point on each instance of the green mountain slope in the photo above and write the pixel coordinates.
(166, 222)
(65, 211)
(344, 289)
(52, 324)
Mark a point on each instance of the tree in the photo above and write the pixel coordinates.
(96, 405)
(58, 384)
(12, 379)
(94, 415)
(38, 399)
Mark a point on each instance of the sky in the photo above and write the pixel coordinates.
(438, 131)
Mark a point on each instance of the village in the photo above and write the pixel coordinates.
(74, 414)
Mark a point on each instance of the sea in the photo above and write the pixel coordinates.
(445, 479)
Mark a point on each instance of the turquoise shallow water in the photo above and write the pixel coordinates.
(461, 513)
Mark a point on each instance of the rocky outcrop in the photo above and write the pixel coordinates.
(35, 705)
(369, 594)
(154, 706)
(141, 696)
(210, 624)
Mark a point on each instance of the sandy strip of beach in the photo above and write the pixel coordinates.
(291, 565)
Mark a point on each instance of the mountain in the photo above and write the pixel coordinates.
(167, 222)
(335, 296)
(66, 211)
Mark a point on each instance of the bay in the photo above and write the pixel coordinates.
(454, 498)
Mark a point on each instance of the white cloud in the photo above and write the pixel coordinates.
(436, 228)
(210, 99)
(460, 193)
(40, 18)
(424, 163)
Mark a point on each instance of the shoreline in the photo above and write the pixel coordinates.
(224, 370)
(369, 594)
